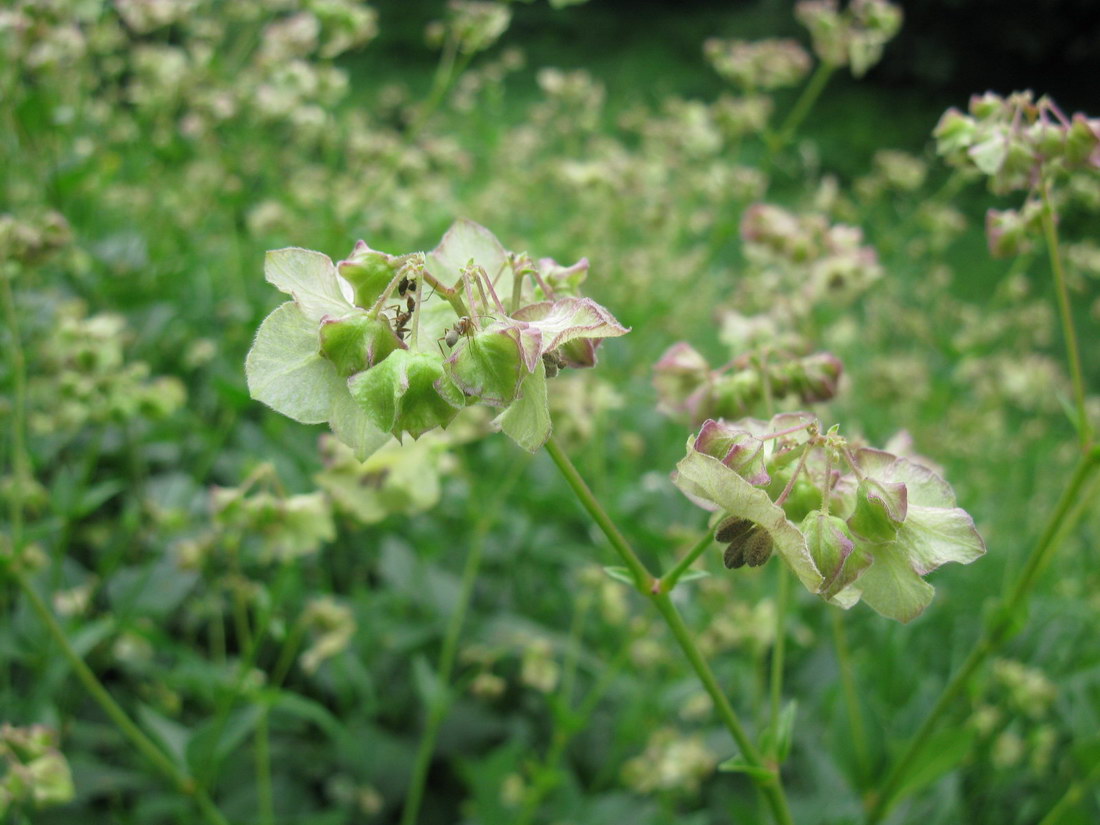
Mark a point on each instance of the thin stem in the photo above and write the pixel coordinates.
(643, 579)
(647, 585)
(996, 632)
(782, 601)
(144, 745)
(668, 581)
(851, 695)
(810, 93)
(1050, 231)
(437, 710)
(772, 789)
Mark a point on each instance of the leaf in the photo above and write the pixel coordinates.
(776, 740)
(215, 740)
(467, 241)
(941, 753)
(354, 427)
(890, 585)
(527, 420)
(621, 574)
(285, 369)
(932, 536)
(737, 764)
(310, 278)
(693, 575)
(172, 736)
(711, 484)
(433, 692)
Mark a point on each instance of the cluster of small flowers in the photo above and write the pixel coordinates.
(1017, 140)
(672, 763)
(689, 389)
(854, 37)
(471, 26)
(758, 65)
(1015, 723)
(35, 773)
(851, 522)
(815, 260)
(361, 344)
(331, 626)
(81, 375)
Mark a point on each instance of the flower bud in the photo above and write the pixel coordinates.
(819, 375)
(407, 392)
(738, 449)
(880, 509)
(834, 552)
(1083, 141)
(357, 342)
(1009, 231)
(369, 272)
(488, 366)
(677, 374)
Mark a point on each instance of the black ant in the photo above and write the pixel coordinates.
(402, 320)
(407, 284)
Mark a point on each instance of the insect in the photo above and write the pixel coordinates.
(402, 319)
(406, 285)
(463, 327)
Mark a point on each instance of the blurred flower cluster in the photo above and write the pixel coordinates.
(34, 774)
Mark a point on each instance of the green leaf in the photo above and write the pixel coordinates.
(285, 369)
(621, 574)
(310, 278)
(941, 753)
(353, 426)
(776, 740)
(433, 692)
(693, 575)
(890, 585)
(527, 420)
(737, 764)
(172, 736)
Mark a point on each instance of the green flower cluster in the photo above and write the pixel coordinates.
(851, 522)
(382, 345)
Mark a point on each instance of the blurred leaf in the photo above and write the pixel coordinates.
(941, 753)
(173, 736)
(214, 741)
(620, 574)
(737, 764)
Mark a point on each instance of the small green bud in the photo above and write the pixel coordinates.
(488, 366)
(834, 552)
(369, 272)
(880, 510)
(738, 449)
(407, 392)
(357, 342)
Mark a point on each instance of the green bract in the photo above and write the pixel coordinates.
(883, 522)
(363, 344)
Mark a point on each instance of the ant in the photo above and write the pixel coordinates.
(464, 327)
(406, 285)
(402, 321)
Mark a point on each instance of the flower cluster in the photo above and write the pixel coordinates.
(854, 37)
(758, 65)
(361, 345)
(35, 773)
(688, 388)
(851, 522)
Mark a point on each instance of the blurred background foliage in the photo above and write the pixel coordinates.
(273, 614)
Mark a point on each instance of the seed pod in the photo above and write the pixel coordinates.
(758, 548)
(734, 556)
(733, 529)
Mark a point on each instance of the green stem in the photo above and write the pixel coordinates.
(1050, 230)
(668, 581)
(810, 93)
(144, 745)
(772, 789)
(996, 632)
(643, 579)
(647, 585)
(782, 601)
(851, 695)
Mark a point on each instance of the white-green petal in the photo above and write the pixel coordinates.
(701, 475)
(311, 279)
(285, 370)
(890, 585)
(527, 419)
(352, 425)
(932, 536)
